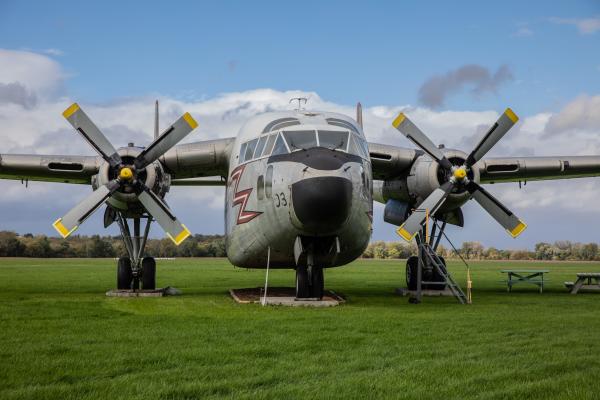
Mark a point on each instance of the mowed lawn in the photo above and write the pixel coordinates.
(61, 337)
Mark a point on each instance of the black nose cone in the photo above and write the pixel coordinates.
(322, 204)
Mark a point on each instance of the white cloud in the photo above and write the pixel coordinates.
(523, 30)
(54, 52)
(36, 72)
(585, 26)
(41, 129)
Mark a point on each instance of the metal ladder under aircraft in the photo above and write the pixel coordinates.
(426, 250)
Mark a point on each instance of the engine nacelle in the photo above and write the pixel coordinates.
(125, 199)
(426, 175)
(396, 212)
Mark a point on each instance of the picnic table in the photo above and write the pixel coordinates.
(584, 281)
(534, 276)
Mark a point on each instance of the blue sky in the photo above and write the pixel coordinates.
(375, 52)
(540, 58)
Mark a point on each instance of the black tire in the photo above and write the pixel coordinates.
(302, 283)
(437, 277)
(411, 272)
(124, 273)
(317, 284)
(148, 273)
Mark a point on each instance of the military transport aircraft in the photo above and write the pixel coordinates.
(299, 187)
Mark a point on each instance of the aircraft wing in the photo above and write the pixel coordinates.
(66, 169)
(208, 158)
(192, 160)
(514, 169)
(390, 161)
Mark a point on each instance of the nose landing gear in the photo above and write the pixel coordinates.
(312, 254)
(309, 283)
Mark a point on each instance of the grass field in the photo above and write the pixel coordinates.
(60, 337)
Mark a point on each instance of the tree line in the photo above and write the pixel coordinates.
(563, 250)
(28, 245)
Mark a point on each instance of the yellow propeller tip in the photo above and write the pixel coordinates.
(404, 234)
(518, 229)
(71, 110)
(190, 120)
(62, 229)
(401, 117)
(510, 114)
(181, 236)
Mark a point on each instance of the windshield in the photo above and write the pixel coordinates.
(334, 140)
(250, 150)
(300, 140)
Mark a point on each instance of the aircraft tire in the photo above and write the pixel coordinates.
(317, 284)
(302, 283)
(148, 273)
(412, 264)
(124, 273)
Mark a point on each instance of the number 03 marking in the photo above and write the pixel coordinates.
(280, 201)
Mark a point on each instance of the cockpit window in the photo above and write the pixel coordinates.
(269, 146)
(358, 147)
(260, 146)
(242, 152)
(250, 150)
(353, 146)
(334, 140)
(300, 140)
(280, 147)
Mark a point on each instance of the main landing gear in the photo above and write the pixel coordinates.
(134, 270)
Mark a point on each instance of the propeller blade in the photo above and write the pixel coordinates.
(410, 130)
(176, 231)
(169, 138)
(496, 132)
(90, 132)
(503, 215)
(412, 225)
(78, 214)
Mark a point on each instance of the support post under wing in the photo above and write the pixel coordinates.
(514, 169)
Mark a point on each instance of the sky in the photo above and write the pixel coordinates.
(453, 67)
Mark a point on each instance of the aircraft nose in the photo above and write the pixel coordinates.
(322, 204)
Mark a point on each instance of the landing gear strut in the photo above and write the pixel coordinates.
(133, 270)
(309, 279)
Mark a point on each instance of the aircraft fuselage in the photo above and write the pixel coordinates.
(305, 185)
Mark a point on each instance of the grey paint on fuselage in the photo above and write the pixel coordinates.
(254, 224)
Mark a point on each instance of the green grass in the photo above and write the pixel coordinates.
(60, 337)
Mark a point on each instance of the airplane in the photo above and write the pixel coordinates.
(299, 187)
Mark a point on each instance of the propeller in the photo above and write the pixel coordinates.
(126, 174)
(458, 176)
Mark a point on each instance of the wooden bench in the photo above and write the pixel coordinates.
(533, 276)
(584, 281)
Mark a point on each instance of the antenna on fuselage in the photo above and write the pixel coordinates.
(299, 100)
(156, 119)
(359, 114)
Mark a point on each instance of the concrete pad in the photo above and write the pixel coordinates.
(280, 296)
(166, 291)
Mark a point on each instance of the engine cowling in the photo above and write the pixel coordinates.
(426, 175)
(125, 199)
